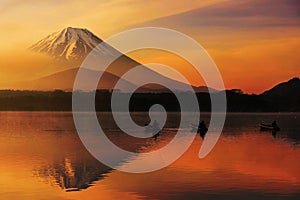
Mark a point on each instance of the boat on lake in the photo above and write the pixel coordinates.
(268, 127)
(201, 129)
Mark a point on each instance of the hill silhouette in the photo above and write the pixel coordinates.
(284, 97)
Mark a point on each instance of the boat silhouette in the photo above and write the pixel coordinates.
(268, 127)
(202, 130)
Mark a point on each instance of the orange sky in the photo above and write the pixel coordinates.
(254, 49)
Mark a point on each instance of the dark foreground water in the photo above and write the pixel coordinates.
(41, 157)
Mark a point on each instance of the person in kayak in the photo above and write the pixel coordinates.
(155, 129)
(202, 129)
(274, 124)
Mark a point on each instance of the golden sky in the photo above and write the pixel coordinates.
(254, 43)
(24, 22)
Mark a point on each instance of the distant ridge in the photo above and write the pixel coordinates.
(284, 96)
(288, 88)
(64, 80)
(287, 100)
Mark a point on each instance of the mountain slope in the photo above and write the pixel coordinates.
(288, 88)
(64, 80)
(73, 44)
(284, 96)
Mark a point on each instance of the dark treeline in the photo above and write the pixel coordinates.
(58, 100)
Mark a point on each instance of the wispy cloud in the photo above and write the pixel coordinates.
(239, 14)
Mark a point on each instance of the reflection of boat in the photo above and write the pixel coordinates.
(149, 129)
(268, 127)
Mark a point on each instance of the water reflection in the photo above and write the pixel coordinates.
(245, 161)
(71, 175)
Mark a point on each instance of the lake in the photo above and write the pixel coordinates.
(42, 157)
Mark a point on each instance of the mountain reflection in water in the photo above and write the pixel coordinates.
(41, 156)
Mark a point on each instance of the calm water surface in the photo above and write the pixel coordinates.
(41, 157)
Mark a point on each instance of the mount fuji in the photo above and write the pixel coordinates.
(72, 45)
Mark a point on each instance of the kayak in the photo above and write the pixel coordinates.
(202, 131)
(268, 127)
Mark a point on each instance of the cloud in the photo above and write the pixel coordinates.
(243, 14)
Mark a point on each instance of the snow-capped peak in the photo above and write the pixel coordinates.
(72, 44)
